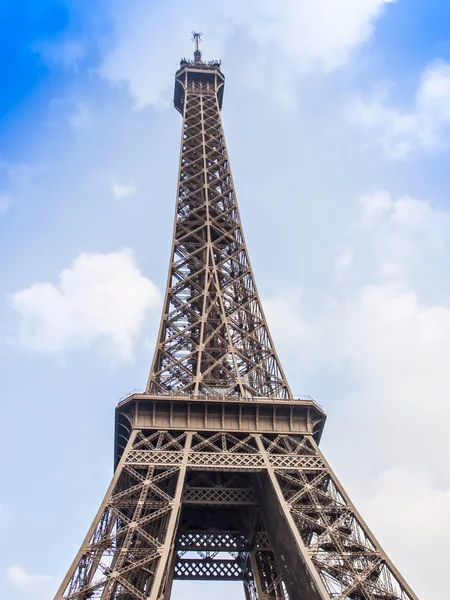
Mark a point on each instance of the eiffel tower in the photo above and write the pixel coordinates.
(218, 473)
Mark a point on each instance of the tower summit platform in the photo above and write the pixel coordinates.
(198, 75)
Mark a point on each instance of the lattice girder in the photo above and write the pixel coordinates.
(212, 569)
(213, 332)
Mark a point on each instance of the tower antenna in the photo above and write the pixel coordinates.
(197, 38)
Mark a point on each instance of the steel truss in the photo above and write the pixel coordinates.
(183, 520)
(219, 475)
(213, 332)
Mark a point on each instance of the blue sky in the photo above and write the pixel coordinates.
(337, 123)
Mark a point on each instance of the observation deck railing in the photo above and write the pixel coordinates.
(217, 396)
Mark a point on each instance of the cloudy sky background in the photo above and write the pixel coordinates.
(337, 117)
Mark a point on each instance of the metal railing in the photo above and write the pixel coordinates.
(221, 396)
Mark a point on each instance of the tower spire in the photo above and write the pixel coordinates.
(197, 38)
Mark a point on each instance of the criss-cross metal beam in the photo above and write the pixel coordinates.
(213, 334)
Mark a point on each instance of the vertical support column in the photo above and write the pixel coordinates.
(256, 576)
(266, 575)
(300, 576)
(163, 574)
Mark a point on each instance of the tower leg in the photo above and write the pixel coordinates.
(170, 574)
(85, 563)
(127, 551)
(321, 544)
(298, 571)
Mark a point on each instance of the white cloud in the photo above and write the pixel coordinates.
(291, 37)
(322, 33)
(405, 235)
(100, 298)
(397, 351)
(422, 126)
(29, 584)
(123, 190)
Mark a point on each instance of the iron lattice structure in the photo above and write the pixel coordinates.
(218, 471)
(213, 332)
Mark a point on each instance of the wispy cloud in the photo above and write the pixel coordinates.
(123, 190)
(403, 131)
(33, 585)
(289, 38)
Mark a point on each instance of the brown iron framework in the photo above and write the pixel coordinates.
(218, 471)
